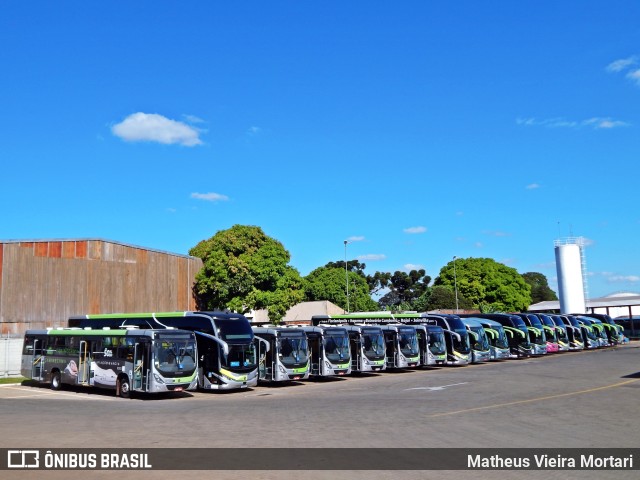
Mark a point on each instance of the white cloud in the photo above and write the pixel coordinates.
(355, 239)
(193, 119)
(374, 257)
(152, 127)
(532, 186)
(254, 130)
(411, 266)
(210, 197)
(478, 245)
(413, 230)
(497, 233)
(558, 122)
(635, 76)
(623, 278)
(621, 64)
(604, 122)
(594, 122)
(587, 242)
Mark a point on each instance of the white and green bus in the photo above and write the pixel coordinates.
(368, 350)
(403, 350)
(480, 347)
(126, 360)
(330, 351)
(226, 344)
(283, 353)
(498, 341)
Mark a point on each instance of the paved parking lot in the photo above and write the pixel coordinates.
(582, 400)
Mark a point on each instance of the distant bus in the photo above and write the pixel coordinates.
(283, 353)
(551, 333)
(581, 334)
(516, 330)
(456, 336)
(629, 326)
(430, 337)
(537, 336)
(124, 360)
(436, 346)
(614, 331)
(402, 346)
(498, 342)
(228, 359)
(368, 349)
(561, 331)
(329, 350)
(480, 349)
(594, 335)
(574, 332)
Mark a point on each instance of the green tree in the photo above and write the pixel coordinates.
(441, 297)
(404, 288)
(487, 284)
(330, 283)
(245, 269)
(540, 290)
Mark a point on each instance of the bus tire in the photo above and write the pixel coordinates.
(123, 388)
(56, 380)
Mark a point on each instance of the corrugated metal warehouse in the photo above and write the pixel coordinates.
(43, 282)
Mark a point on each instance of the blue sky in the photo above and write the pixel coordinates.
(417, 130)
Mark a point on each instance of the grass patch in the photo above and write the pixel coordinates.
(6, 380)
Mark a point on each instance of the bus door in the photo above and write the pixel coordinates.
(84, 363)
(315, 350)
(356, 348)
(423, 346)
(37, 367)
(265, 361)
(391, 339)
(141, 365)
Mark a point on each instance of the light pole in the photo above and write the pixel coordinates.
(346, 272)
(455, 281)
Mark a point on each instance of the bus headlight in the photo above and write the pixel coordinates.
(282, 369)
(158, 378)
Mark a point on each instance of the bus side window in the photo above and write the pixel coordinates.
(54, 344)
(28, 346)
(72, 346)
(125, 349)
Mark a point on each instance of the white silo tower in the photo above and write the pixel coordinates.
(571, 268)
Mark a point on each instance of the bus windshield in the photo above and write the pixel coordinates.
(241, 357)
(463, 345)
(501, 341)
(373, 345)
(175, 355)
(336, 347)
(293, 350)
(408, 342)
(561, 334)
(437, 343)
(482, 343)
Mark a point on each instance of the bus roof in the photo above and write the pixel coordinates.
(112, 332)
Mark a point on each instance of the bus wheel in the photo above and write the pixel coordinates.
(56, 381)
(124, 387)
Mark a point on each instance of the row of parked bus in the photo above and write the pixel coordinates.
(175, 351)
